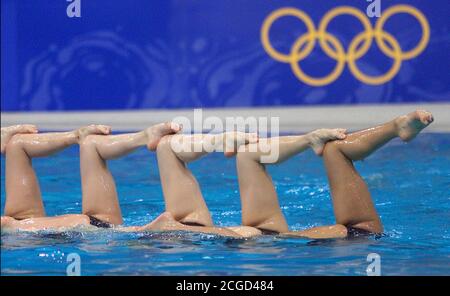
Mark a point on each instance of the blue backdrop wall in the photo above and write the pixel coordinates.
(209, 53)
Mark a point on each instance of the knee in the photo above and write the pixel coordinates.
(89, 141)
(164, 144)
(244, 162)
(244, 155)
(331, 147)
(16, 142)
(241, 156)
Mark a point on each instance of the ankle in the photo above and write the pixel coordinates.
(75, 136)
(395, 125)
(141, 137)
(310, 138)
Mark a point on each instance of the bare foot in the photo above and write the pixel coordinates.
(233, 140)
(8, 132)
(408, 126)
(93, 129)
(156, 132)
(163, 222)
(6, 222)
(318, 138)
(245, 231)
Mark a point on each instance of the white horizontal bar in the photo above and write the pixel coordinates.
(292, 119)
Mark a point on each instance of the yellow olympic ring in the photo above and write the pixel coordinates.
(382, 78)
(327, 79)
(336, 50)
(272, 18)
(423, 23)
(339, 11)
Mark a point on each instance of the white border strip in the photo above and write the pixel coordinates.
(292, 119)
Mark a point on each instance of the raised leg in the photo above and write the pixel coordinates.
(352, 203)
(100, 198)
(23, 196)
(182, 194)
(260, 206)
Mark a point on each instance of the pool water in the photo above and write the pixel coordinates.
(410, 184)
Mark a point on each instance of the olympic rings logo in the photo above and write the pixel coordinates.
(358, 47)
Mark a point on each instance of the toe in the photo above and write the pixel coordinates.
(430, 118)
(252, 138)
(175, 127)
(29, 128)
(341, 133)
(104, 129)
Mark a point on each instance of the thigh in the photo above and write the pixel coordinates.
(260, 206)
(352, 202)
(182, 194)
(23, 195)
(100, 197)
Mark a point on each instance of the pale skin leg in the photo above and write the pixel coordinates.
(184, 201)
(95, 149)
(260, 206)
(23, 196)
(406, 127)
(182, 194)
(112, 147)
(100, 198)
(352, 203)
